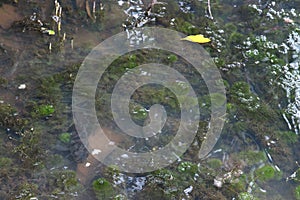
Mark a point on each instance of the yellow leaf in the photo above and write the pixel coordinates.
(51, 32)
(197, 38)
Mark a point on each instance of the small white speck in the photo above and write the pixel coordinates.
(124, 156)
(277, 168)
(218, 150)
(121, 3)
(188, 190)
(87, 164)
(218, 183)
(96, 151)
(267, 137)
(264, 191)
(143, 73)
(22, 87)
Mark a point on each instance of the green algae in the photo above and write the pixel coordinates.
(10, 119)
(243, 97)
(246, 196)
(266, 173)
(102, 189)
(65, 137)
(29, 149)
(172, 58)
(252, 157)
(187, 167)
(186, 27)
(297, 192)
(288, 137)
(3, 81)
(27, 191)
(214, 163)
(5, 162)
(240, 184)
(44, 110)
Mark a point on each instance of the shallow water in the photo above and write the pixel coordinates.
(38, 71)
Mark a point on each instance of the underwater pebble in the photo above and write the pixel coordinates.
(188, 190)
(22, 87)
(218, 183)
(218, 150)
(264, 191)
(87, 164)
(96, 151)
(124, 156)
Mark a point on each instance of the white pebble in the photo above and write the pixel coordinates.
(87, 164)
(96, 151)
(218, 183)
(124, 156)
(22, 87)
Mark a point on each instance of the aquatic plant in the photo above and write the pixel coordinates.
(63, 184)
(49, 88)
(102, 189)
(138, 112)
(265, 173)
(186, 27)
(172, 58)
(297, 192)
(170, 184)
(246, 196)
(3, 81)
(214, 163)
(287, 136)
(252, 157)
(65, 137)
(5, 162)
(44, 110)
(10, 119)
(29, 149)
(278, 51)
(120, 197)
(26, 191)
(245, 99)
(239, 184)
(187, 167)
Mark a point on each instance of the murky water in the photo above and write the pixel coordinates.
(255, 45)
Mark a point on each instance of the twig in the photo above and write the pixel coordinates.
(209, 9)
(88, 10)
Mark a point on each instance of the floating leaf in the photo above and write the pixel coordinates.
(197, 38)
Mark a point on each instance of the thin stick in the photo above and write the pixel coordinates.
(88, 10)
(209, 9)
(94, 9)
(72, 44)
